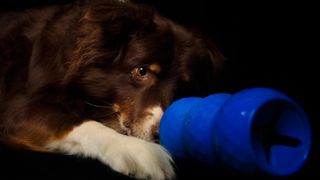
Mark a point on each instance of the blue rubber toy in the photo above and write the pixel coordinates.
(258, 130)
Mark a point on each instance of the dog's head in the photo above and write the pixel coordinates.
(130, 64)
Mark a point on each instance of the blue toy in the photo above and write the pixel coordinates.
(258, 130)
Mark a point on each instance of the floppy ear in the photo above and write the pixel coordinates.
(119, 20)
(200, 67)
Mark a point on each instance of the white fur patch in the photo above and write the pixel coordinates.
(143, 127)
(128, 155)
(153, 118)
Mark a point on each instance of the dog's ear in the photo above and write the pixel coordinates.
(119, 20)
(201, 66)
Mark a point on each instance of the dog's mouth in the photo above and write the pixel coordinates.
(153, 138)
(145, 127)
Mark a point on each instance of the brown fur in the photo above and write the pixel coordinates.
(57, 62)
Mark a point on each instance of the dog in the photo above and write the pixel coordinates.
(93, 78)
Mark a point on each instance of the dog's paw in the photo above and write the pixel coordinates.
(139, 159)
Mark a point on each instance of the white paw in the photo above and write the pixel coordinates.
(139, 159)
(128, 155)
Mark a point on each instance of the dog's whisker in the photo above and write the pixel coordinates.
(107, 115)
(98, 106)
(107, 103)
(111, 113)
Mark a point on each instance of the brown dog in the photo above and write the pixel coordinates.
(90, 77)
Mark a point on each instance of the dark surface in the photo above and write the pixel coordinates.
(265, 44)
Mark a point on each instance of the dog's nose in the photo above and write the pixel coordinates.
(156, 138)
(155, 131)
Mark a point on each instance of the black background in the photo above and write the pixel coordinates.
(266, 44)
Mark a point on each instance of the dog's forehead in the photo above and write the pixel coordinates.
(150, 49)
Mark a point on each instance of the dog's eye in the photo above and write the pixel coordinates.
(142, 71)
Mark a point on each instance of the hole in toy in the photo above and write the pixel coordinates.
(280, 135)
